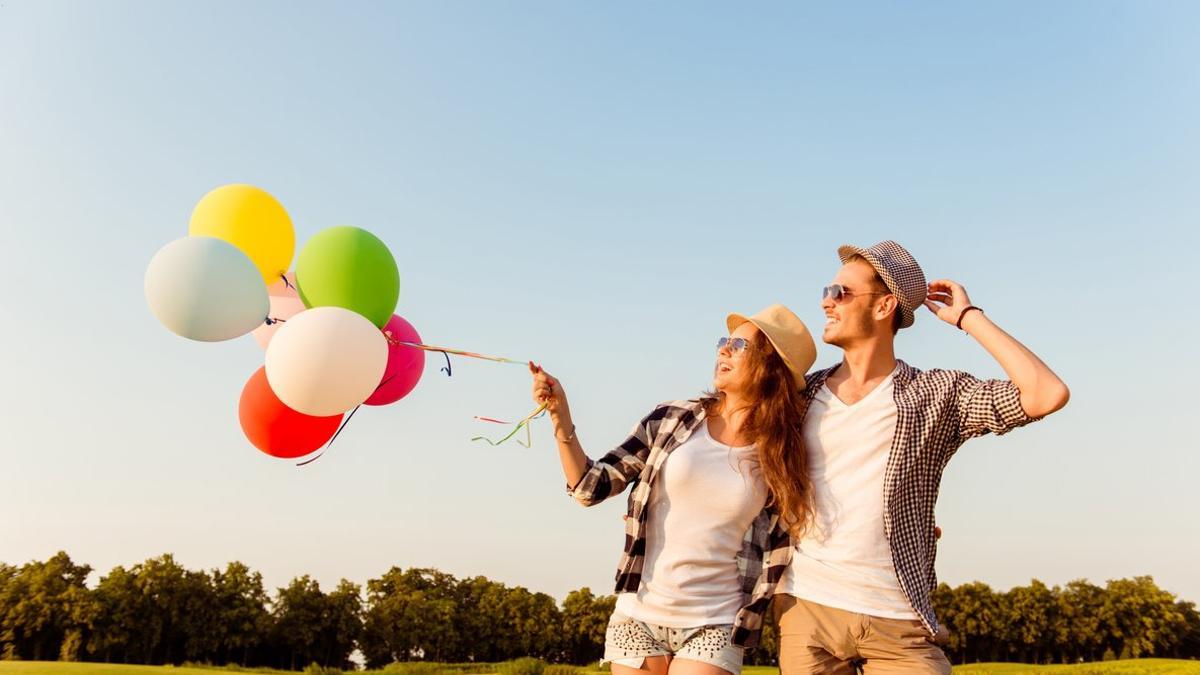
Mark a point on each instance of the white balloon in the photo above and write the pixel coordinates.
(326, 360)
(205, 289)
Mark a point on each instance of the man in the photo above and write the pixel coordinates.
(878, 433)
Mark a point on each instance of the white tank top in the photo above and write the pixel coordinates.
(705, 498)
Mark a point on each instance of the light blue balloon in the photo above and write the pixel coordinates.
(206, 289)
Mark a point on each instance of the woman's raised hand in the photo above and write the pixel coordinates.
(547, 390)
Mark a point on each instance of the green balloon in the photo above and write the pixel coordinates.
(349, 267)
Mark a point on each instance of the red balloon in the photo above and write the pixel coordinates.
(404, 366)
(275, 428)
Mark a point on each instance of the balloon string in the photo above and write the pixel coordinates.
(523, 424)
(446, 369)
(446, 350)
(286, 283)
(385, 381)
(335, 435)
(272, 322)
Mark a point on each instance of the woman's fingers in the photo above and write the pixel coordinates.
(546, 388)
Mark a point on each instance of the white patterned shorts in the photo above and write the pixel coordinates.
(629, 642)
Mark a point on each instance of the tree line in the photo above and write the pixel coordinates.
(1125, 618)
(157, 612)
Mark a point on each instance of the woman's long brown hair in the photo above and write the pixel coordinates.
(773, 424)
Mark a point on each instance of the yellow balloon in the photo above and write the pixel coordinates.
(252, 220)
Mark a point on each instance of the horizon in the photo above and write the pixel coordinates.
(94, 577)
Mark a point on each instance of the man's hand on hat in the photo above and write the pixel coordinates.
(947, 299)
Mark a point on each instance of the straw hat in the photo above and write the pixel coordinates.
(787, 334)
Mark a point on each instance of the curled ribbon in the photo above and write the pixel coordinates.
(523, 424)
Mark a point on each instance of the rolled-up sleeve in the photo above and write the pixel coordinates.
(988, 406)
(612, 473)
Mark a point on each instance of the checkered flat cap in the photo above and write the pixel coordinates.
(899, 271)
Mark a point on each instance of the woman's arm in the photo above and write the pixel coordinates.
(548, 390)
(590, 482)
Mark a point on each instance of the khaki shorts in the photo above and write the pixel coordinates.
(815, 638)
(630, 642)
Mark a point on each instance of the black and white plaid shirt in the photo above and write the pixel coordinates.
(937, 411)
(766, 547)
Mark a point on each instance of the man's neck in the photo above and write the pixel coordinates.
(867, 362)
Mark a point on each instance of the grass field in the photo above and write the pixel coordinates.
(1132, 667)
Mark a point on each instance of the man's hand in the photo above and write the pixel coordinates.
(1042, 392)
(942, 637)
(947, 299)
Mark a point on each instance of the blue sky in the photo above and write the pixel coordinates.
(593, 186)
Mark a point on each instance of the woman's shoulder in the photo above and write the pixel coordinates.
(677, 407)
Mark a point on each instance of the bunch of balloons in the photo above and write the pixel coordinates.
(331, 338)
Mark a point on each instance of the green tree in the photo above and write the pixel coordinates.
(1032, 618)
(1080, 633)
(199, 623)
(118, 626)
(175, 613)
(241, 608)
(478, 619)
(1189, 642)
(976, 618)
(342, 624)
(82, 611)
(43, 604)
(584, 622)
(532, 623)
(1142, 619)
(298, 619)
(7, 574)
(410, 615)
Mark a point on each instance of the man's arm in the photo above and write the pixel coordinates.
(1042, 392)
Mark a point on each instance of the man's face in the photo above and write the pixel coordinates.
(851, 319)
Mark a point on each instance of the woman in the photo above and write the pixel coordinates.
(719, 489)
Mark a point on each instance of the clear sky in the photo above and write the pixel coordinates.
(594, 186)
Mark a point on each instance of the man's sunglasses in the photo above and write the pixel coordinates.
(839, 293)
(734, 345)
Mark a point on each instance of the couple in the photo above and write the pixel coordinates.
(816, 491)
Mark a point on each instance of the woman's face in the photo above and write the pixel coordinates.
(732, 374)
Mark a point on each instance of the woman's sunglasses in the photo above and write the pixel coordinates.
(734, 345)
(839, 293)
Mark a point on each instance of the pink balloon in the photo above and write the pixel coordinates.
(285, 303)
(405, 364)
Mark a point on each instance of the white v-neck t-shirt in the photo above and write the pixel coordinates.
(844, 560)
(705, 497)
